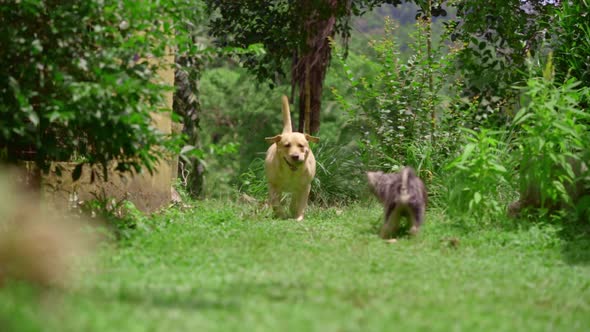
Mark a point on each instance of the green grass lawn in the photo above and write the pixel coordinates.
(225, 267)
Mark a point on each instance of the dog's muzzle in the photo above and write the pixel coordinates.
(293, 167)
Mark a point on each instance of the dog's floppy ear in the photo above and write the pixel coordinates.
(274, 139)
(310, 138)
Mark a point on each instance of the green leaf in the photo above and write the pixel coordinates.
(467, 151)
(499, 168)
(521, 116)
(477, 197)
(54, 116)
(34, 118)
(565, 129)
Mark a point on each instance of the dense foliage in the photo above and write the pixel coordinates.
(509, 130)
(535, 109)
(499, 37)
(572, 45)
(279, 26)
(78, 79)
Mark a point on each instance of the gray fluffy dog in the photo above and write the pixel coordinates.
(402, 194)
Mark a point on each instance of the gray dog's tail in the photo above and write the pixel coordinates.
(404, 196)
(287, 128)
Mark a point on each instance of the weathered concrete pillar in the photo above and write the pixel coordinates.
(147, 192)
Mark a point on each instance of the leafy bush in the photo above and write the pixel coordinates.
(397, 110)
(78, 79)
(552, 141)
(543, 157)
(477, 179)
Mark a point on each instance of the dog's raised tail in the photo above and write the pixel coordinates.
(287, 128)
(404, 196)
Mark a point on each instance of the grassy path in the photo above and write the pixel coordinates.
(224, 268)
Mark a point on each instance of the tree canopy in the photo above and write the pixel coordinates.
(295, 36)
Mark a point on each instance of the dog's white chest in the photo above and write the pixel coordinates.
(292, 181)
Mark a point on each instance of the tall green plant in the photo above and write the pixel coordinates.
(552, 141)
(478, 175)
(543, 157)
(338, 180)
(394, 109)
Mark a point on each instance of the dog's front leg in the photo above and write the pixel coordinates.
(299, 203)
(275, 201)
(391, 222)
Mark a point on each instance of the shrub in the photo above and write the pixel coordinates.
(543, 157)
(476, 183)
(551, 147)
(394, 110)
(498, 38)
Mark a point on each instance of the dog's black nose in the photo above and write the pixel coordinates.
(295, 157)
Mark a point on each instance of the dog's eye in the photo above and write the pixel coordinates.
(287, 145)
(300, 145)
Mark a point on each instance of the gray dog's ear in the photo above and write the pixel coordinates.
(274, 139)
(310, 138)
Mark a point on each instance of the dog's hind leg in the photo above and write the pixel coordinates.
(299, 203)
(417, 216)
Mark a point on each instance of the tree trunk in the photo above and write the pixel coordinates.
(430, 73)
(188, 104)
(309, 69)
(307, 112)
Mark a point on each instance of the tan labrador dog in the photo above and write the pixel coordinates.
(289, 167)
